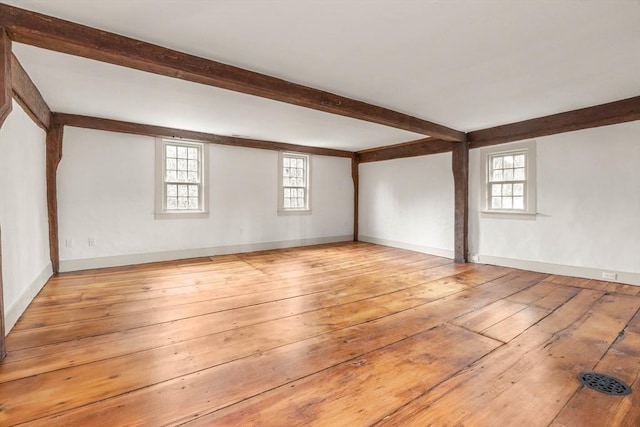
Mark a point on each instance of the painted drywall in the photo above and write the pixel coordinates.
(408, 203)
(588, 190)
(23, 213)
(106, 192)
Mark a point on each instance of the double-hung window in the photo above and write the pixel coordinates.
(182, 176)
(294, 183)
(508, 174)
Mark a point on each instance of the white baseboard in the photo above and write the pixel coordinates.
(120, 260)
(15, 310)
(561, 270)
(445, 253)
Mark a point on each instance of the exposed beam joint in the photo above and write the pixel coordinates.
(622, 111)
(28, 96)
(460, 166)
(63, 36)
(165, 132)
(421, 147)
(53, 157)
(5, 75)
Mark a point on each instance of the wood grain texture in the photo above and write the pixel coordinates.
(53, 156)
(355, 176)
(75, 39)
(622, 111)
(421, 147)
(5, 109)
(342, 334)
(460, 167)
(160, 131)
(28, 96)
(5, 75)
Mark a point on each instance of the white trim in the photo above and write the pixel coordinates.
(16, 309)
(159, 203)
(445, 253)
(531, 180)
(559, 269)
(120, 260)
(294, 211)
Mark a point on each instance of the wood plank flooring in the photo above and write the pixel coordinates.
(348, 334)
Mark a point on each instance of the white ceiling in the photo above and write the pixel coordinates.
(464, 64)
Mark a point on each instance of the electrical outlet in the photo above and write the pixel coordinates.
(68, 243)
(92, 241)
(474, 258)
(609, 276)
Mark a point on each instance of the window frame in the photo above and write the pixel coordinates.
(161, 211)
(530, 190)
(282, 210)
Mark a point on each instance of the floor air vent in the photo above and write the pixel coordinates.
(604, 383)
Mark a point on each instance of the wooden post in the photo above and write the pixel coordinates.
(355, 163)
(5, 109)
(460, 166)
(54, 154)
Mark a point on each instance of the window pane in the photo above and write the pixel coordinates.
(519, 161)
(300, 163)
(508, 161)
(497, 163)
(183, 202)
(182, 152)
(192, 166)
(182, 190)
(518, 189)
(518, 202)
(193, 153)
(193, 203)
(182, 165)
(172, 202)
(287, 192)
(496, 202)
(172, 190)
(497, 175)
(285, 172)
(507, 203)
(285, 162)
(171, 150)
(172, 176)
(507, 189)
(300, 203)
(171, 164)
(182, 176)
(294, 203)
(496, 189)
(287, 203)
(508, 175)
(193, 191)
(299, 182)
(519, 174)
(301, 192)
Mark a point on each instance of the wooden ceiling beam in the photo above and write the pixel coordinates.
(622, 111)
(420, 147)
(28, 96)
(64, 36)
(165, 132)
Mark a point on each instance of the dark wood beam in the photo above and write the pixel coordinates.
(160, 131)
(421, 147)
(625, 110)
(355, 176)
(63, 36)
(28, 96)
(5, 75)
(5, 109)
(53, 156)
(460, 166)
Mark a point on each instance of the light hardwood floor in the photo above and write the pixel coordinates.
(335, 335)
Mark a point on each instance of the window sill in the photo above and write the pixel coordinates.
(181, 215)
(525, 216)
(294, 212)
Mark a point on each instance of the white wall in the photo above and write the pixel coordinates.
(588, 204)
(23, 213)
(408, 203)
(106, 191)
